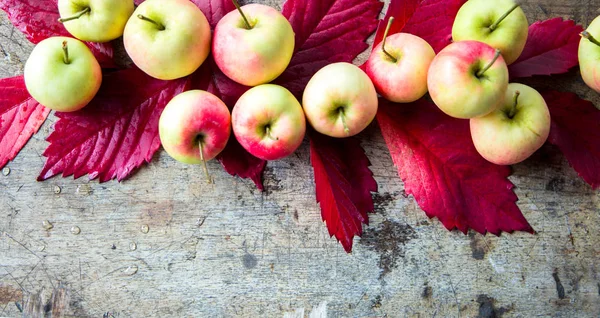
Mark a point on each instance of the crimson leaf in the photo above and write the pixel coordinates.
(441, 168)
(115, 133)
(20, 117)
(326, 32)
(343, 184)
(551, 48)
(38, 20)
(576, 132)
(430, 19)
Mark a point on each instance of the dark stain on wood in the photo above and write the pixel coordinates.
(560, 289)
(479, 246)
(388, 240)
(556, 184)
(249, 261)
(427, 291)
(382, 201)
(487, 307)
(9, 294)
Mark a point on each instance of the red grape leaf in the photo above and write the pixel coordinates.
(38, 20)
(551, 48)
(576, 132)
(327, 31)
(115, 133)
(331, 31)
(343, 184)
(430, 19)
(20, 117)
(441, 168)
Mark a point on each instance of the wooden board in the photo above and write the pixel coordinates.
(229, 250)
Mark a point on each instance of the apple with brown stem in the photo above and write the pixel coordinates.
(399, 70)
(516, 130)
(194, 127)
(268, 122)
(254, 44)
(468, 79)
(340, 100)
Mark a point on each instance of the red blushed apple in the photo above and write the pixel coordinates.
(468, 79)
(253, 45)
(516, 130)
(340, 100)
(399, 69)
(194, 127)
(268, 121)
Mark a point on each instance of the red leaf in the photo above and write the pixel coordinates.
(576, 131)
(343, 184)
(38, 20)
(115, 133)
(237, 161)
(327, 31)
(551, 48)
(430, 19)
(20, 117)
(440, 167)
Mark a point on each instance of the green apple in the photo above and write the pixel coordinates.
(589, 55)
(516, 130)
(268, 122)
(340, 100)
(62, 74)
(95, 20)
(253, 45)
(468, 79)
(502, 24)
(167, 39)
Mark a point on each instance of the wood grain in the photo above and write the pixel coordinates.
(228, 250)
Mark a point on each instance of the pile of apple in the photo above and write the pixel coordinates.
(253, 45)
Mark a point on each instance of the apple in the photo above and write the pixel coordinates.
(268, 122)
(95, 20)
(62, 74)
(340, 100)
(399, 70)
(194, 127)
(501, 24)
(253, 45)
(516, 130)
(167, 39)
(589, 55)
(468, 79)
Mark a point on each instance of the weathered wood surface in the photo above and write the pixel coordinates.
(229, 250)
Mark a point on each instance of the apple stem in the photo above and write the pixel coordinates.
(495, 25)
(66, 53)
(237, 6)
(208, 177)
(160, 26)
(587, 35)
(513, 110)
(75, 16)
(385, 34)
(496, 56)
(268, 132)
(343, 117)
